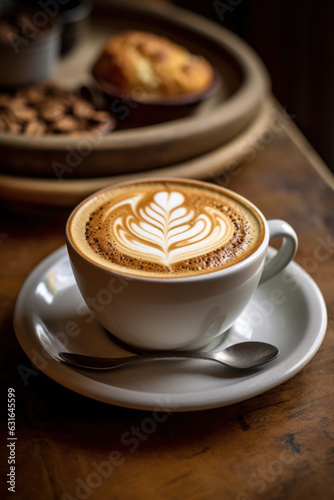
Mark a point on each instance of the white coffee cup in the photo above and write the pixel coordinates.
(183, 312)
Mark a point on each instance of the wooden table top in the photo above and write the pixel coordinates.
(273, 446)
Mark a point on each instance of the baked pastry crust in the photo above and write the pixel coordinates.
(144, 66)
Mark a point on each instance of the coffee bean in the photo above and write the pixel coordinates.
(100, 116)
(33, 95)
(49, 109)
(35, 128)
(52, 112)
(10, 123)
(24, 114)
(3, 126)
(3, 101)
(82, 109)
(66, 124)
(16, 103)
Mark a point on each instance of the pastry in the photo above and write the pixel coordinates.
(146, 66)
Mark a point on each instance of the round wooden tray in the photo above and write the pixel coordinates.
(216, 120)
(23, 192)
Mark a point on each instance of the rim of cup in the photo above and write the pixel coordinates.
(212, 274)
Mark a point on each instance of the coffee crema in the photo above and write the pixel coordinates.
(166, 228)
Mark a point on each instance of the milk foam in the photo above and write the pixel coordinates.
(166, 228)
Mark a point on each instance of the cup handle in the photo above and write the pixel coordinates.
(280, 229)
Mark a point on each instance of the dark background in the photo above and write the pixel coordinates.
(295, 39)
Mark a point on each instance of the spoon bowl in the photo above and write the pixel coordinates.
(241, 356)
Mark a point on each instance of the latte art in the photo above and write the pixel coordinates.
(166, 228)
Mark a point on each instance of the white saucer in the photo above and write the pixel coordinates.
(50, 315)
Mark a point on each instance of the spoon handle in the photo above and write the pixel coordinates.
(242, 355)
(97, 363)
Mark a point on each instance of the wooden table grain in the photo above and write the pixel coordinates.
(279, 445)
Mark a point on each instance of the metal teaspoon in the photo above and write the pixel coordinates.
(243, 355)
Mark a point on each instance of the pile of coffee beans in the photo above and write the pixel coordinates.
(48, 109)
